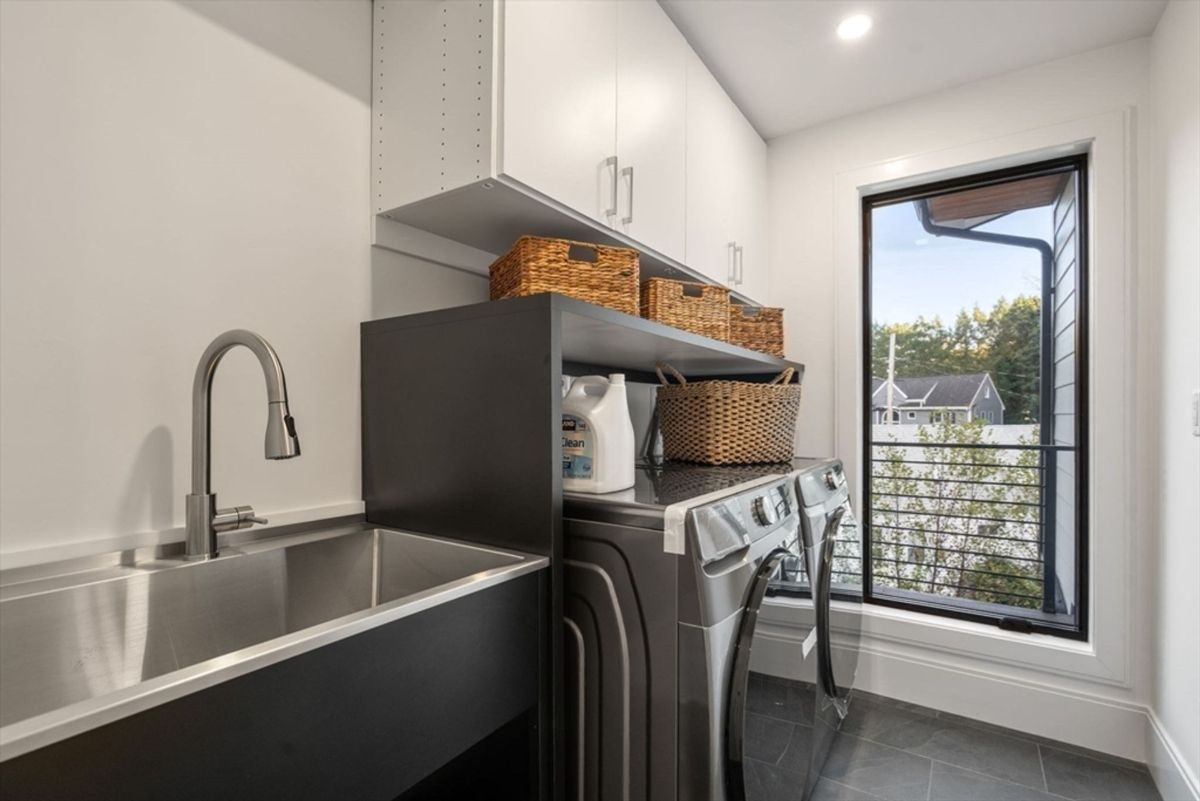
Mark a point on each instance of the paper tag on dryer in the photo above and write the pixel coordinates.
(808, 643)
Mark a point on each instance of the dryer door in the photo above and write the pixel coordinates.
(837, 564)
(769, 720)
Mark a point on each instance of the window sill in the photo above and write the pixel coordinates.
(889, 628)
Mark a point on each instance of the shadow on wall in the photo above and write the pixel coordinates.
(148, 502)
(403, 284)
(319, 36)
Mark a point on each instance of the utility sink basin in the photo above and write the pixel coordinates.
(86, 647)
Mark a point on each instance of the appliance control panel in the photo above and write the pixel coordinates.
(823, 484)
(772, 506)
(725, 527)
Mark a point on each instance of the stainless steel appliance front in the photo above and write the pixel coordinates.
(658, 643)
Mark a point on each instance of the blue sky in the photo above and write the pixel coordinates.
(916, 274)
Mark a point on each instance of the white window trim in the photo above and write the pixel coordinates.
(1106, 656)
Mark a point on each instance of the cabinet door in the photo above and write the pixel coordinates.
(748, 184)
(651, 126)
(711, 137)
(560, 100)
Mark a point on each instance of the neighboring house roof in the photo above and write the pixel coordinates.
(936, 391)
(920, 388)
(878, 385)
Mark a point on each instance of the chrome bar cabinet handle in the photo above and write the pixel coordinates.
(627, 172)
(611, 163)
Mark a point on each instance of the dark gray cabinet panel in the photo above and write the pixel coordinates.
(459, 440)
(458, 427)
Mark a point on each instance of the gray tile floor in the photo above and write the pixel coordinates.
(893, 751)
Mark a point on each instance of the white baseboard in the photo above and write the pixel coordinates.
(145, 539)
(984, 694)
(1176, 780)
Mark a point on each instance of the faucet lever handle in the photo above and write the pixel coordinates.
(239, 517)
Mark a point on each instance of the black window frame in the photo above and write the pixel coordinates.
(1076, 164)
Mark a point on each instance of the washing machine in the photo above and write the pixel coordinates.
(664, 583)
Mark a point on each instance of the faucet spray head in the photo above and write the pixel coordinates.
(281, 441)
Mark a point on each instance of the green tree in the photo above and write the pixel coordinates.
(1011, 353)
(1004, 342)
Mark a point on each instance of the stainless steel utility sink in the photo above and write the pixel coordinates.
(81, 649)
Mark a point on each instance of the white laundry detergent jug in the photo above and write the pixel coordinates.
(597, 435)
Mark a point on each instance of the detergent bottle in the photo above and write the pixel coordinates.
(597, 435)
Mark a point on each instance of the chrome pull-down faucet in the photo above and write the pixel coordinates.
(204, 519)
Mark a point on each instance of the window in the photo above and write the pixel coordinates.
(980, 514)
(912, 415)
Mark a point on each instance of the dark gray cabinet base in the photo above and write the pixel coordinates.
(368, 717)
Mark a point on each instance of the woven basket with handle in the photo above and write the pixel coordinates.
(700, 308)
(599, 274)
(757, 328)
(727, 422)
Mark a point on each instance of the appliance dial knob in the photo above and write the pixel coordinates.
(831, 480)
(764, 511)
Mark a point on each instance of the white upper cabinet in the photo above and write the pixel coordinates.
(651, 126)
(589, 119)
(726, 188)
(593, 112)
(748, 185)
(560, 101)
(709, 204)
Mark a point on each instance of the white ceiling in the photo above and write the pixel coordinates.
(786, 69)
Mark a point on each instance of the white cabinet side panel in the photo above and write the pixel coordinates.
(432, 98)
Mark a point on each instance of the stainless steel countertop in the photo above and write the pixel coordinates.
(136, 615)
(659, 485)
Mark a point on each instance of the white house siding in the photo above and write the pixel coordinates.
(1064, 375)
(1000, 435)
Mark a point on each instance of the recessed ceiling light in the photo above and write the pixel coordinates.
(854, 27)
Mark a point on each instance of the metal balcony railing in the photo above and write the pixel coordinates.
(967, 521)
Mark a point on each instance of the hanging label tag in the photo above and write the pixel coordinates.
(809, 642)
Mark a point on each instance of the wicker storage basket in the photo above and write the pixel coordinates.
(728, 422)
(599, 274)
(700, 308)
(756, 328)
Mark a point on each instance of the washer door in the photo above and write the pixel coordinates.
(768, 721)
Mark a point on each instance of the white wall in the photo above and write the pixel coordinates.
(170, 171)
(1170, 355)
(808, 169)
(804, 167)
